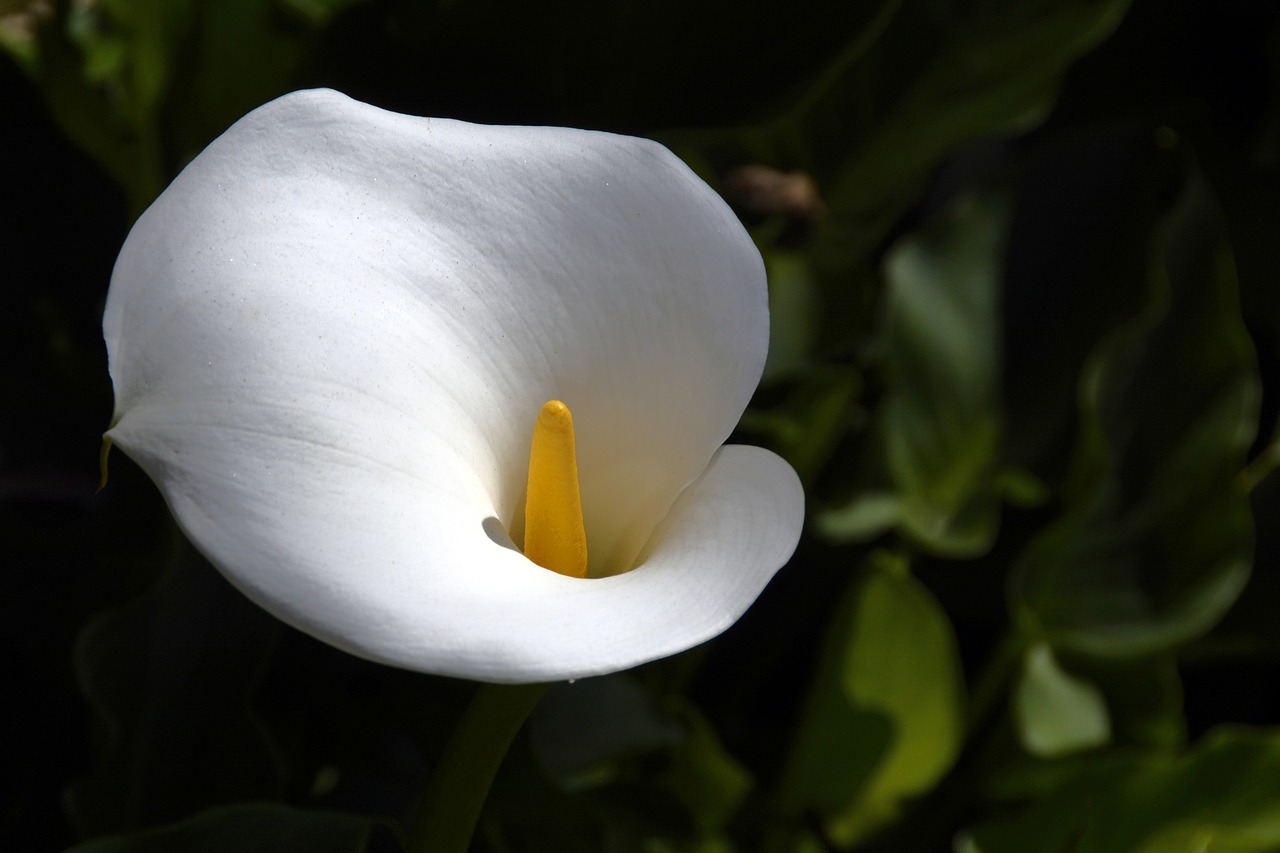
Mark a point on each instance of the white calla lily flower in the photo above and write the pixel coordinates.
(330, 339)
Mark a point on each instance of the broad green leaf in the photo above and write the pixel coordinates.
(722, 61)
(139, 38)
(1156, 541)
(820, 409)
(939, 420)
(142, 85)
(941, 416)
(718, 844)
(935, 79)
(910, 84)
(901, 661)
(170, 677)
(705, 777)
(317, 12)
(864, 517)
(807, 842)
(792, 312)
(583, 733)
(837, 746)
(1078, 265)
(1222, 795)
(1144, 696)
(1251, 625)
(886, 718)
(101, 80)
(237, 55)
(246, 828)
(1056, 712)
(611, 731)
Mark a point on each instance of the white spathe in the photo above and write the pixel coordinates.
(330, 338)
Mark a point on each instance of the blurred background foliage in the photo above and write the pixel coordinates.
(1026, 359)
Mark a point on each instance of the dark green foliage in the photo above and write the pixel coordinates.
(250, 828)
(1025, 357)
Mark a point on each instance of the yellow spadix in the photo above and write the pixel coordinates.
(554, 537)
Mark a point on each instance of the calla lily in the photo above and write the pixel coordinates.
(330, 339)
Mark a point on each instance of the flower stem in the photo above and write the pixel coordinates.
(447, 817)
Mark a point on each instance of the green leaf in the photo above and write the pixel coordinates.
(865, 516)
(1057, 713)
(902, 662)
(939, 420)
(1145, 698)
(238, 54)
(1078, 264)
(143, 85)
(886, 718)
(142, 33)
(246, 828)
(910, 83)
(608, 731)
(1223, 795)
(710, 782)
(837, 747)
(792, 312)
(583, 733)
(934, 80)
(171, 677)
(81, 55)
(1156, 541)
(805, 429)
(941, 416)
